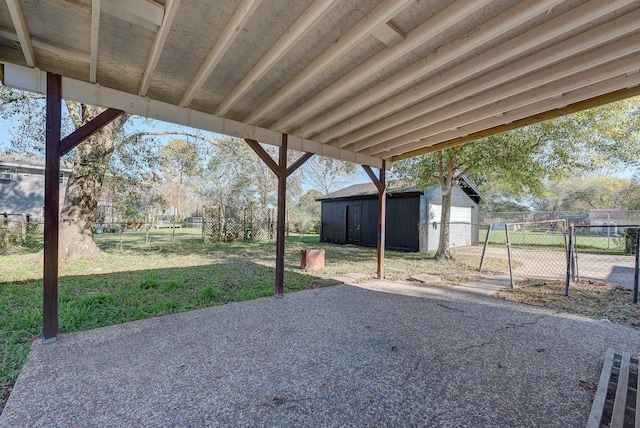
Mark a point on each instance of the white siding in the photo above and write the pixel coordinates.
(460, 234)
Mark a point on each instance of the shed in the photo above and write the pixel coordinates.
(350, 216)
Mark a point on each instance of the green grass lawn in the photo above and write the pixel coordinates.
(592, 243)
(144, 280)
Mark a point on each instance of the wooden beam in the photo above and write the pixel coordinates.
(383, 13)
(373, 177)
(88, 129)
(381, 184)
(29, 79)
(298, 163)
(20, 24)
(51, 207)
(568, 48)
(170, 11)
(429, 29)
(596, 82)
(222, 45)
(597, 101)
(266, 157)
(95, 38)
(582, 70)
(495, 28)
(281, 224)
(148, 14)
(389, 34)
(47, 45)
(282, 172)
(382, 221)
(313, 15)
(377, 116)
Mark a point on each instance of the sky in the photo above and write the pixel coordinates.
(7, 125)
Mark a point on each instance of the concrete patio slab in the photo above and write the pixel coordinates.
(379, 354)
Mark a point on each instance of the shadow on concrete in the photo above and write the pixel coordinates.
(381, 353)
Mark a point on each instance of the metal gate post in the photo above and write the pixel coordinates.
(484, 248)
(506, 232)
(569, 262)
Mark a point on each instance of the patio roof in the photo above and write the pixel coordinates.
(357, 80)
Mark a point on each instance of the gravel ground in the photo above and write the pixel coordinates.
(379, 354)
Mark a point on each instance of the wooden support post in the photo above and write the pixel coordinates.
(54, 149)
(381, 184)
(282, 172)
(282, 206)
(51, 207)
(382, 217)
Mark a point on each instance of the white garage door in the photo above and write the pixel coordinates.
(459, 235)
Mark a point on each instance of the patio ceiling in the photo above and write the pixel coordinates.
(357, 80)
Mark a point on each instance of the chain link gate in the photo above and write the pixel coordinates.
(536, 250)
(606, 253)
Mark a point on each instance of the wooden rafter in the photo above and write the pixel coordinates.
(496, 79)
(562, 24)
(315, 12)
(171, 8)
(148, 14)
(383, 13)
(52, 47)
(579, 72)
(95, 34)
(549, 114)
(428, 29)
(487, 32)
(20, 24)
(222, 45)
(545, 94)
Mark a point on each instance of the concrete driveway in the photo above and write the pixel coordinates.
(379, 354)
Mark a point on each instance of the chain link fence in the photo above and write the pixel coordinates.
(600, 217)
(603, 253)
(465, 239)
(535, 250)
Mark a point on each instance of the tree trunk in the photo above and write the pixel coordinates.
(444, 250)
(84, 188)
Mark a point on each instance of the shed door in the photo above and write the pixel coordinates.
(353, 224)
(459, 234)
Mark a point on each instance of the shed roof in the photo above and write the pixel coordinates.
(367, 190)
(357, 80)
(370, 190)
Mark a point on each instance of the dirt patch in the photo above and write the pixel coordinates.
(593, 299)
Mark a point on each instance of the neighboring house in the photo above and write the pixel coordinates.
(22, 184)
(350, 216)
